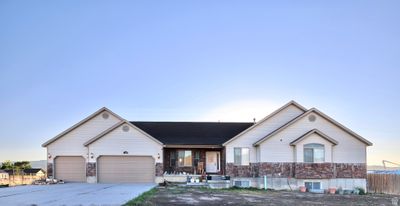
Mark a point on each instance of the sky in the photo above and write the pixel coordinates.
(60, 61)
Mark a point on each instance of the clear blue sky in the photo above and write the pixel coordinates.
(197, 60)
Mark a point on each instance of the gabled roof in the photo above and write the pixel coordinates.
(291, 103)
(193, 133)
(115, 126)
(3, 171)
(79, 124)
(322, 115)
(314, 131)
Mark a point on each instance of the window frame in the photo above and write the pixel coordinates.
(172, 158)
(241, 150)
(196, 158)
(315, 148)
(183, 164)
(313, 184)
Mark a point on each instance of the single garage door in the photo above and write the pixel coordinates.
(125, 169)
(70, 169)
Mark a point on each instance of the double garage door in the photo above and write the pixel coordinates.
(110, 169)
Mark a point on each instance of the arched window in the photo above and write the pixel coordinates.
(314, 153)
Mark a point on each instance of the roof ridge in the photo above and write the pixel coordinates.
(190, 122)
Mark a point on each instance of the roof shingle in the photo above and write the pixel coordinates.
(192, 133)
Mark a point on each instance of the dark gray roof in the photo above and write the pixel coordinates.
(192, 133)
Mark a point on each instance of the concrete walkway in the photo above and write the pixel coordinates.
(72, 194)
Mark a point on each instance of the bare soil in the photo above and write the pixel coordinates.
(174, 195)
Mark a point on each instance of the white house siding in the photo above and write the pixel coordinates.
(313, 138)
(278, 149)
(258, 132)
(132, 141)
(71, 144)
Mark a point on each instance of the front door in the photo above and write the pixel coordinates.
(212, 162)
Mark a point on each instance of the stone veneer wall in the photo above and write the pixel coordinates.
(90, 169)
(251, 170)
(351, 170)
(277, 169)
(298, 170)
(314, 170)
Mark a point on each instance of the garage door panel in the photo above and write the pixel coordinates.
(125, 169)
(70, 169)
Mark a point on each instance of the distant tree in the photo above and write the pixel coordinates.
(22, 165)
(7, 165)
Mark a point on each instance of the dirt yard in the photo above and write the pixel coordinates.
(174, 195)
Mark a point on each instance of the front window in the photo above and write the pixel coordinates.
(184, 158)
(172, 159)
(196, 158)
(314, 153)
(241, 156)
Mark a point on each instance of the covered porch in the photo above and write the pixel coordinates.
(194, 159)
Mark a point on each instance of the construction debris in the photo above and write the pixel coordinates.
(48, 182)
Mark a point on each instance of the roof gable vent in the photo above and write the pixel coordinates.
(105, 115)
(125, 128)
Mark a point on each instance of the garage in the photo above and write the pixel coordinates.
(125, 169)
(70, 169)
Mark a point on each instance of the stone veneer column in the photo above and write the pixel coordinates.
(159, 169)
(90, 169)
(50, 170)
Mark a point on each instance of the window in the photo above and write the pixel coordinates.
(172, 159)
(196, 158)
(314, 153)
(313, 185)
(185, 158)
(241, 156)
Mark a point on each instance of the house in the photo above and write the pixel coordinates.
(291, 147)
(3, 174)
(38, 173)
(3, 177)
(23, 177)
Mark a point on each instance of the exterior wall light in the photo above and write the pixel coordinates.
(49, 155)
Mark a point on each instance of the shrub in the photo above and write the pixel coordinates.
(361, 191)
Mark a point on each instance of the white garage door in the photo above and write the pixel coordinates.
(70, 169)
(125, 169)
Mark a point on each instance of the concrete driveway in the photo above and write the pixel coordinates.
(72, 194)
